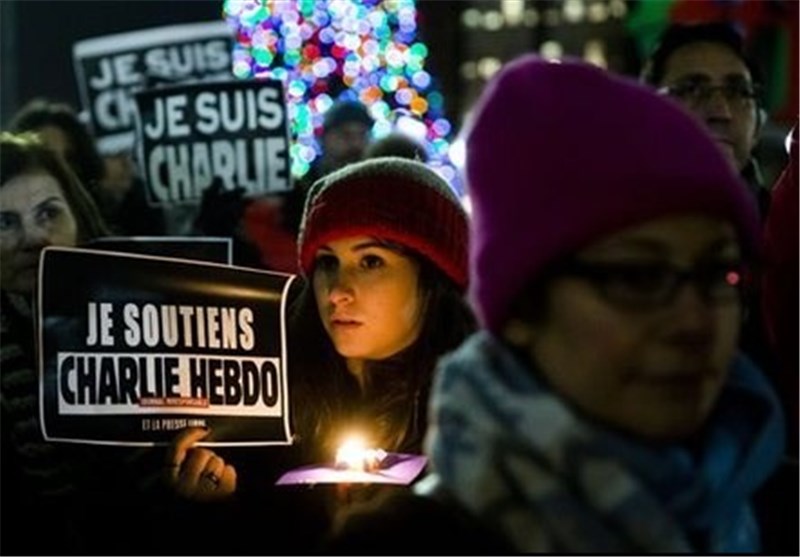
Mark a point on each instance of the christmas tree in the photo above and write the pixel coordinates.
(324, 51)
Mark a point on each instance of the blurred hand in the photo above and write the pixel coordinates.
(197, 473)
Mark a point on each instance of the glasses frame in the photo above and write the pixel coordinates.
(701, 275)
(698, 94)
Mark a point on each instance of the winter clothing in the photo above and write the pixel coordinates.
(36, 475)
(391, 198)
(536, 179)
(87, 498)
(571, 485)
(516, 469)
(437, 526)
(394, 199)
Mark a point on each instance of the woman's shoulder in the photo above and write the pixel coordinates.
(402, 522)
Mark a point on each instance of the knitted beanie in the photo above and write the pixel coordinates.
(393, 199)
(562, 154)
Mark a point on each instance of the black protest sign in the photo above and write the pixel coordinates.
(133, 348)
(190, 134)
(110, 68)
(196, 248)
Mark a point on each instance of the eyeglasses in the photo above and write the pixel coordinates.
(738, 94)
(653, 285)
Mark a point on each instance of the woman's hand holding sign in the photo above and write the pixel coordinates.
(195, 472)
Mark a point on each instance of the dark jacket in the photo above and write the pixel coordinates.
(79, 499)
(400, 522)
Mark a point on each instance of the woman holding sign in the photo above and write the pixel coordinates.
(383, 249)
(42, 204)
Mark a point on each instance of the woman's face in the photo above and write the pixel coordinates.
(368, 298)
(629, 350)
(33, 214)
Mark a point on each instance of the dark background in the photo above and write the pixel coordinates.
(37, 37)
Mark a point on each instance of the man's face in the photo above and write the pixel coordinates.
(715, 85)
(345, 143)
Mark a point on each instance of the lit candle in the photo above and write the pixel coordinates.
(353, 454)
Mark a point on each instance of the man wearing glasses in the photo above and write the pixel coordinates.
(704, 67)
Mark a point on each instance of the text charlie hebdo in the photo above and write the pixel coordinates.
(146, 357)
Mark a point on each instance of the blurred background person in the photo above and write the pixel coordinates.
(345, 137)
(116, 190)
(42, 204)
(60, 129)
(271, 223)
(89, 499)
(704, 66)
(397, 144)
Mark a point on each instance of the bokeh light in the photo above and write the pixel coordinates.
(326, 50)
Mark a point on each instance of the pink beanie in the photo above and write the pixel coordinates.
(561, 154)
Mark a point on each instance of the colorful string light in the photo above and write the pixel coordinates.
(326, 50)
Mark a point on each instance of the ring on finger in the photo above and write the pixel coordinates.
(211, 477)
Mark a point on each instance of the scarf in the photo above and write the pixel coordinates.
(519, 457)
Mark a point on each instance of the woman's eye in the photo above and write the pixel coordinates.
(8, 222)
(48, 213)
(371, 262)
(641, 277)
(325, 263)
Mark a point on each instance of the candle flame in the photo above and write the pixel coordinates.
(353, 454)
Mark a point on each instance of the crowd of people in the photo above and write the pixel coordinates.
(601, 357)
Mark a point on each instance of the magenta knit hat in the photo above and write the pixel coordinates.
(393, 199)
(560, 154)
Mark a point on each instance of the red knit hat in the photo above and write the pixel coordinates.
(390, 198)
